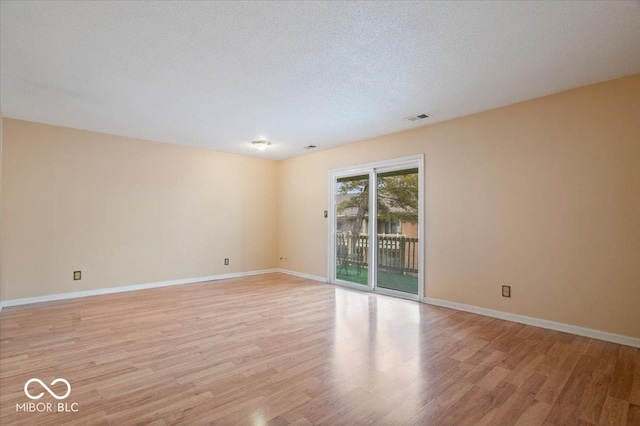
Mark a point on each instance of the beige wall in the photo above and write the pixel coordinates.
(543, 196)
(1, 286)
(126, 211)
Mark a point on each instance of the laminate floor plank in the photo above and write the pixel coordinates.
(280, 350)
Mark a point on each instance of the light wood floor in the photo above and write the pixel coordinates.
(275, 349)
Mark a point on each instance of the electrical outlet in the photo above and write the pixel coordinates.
(506, 291)
(226, 261)
(77, 275)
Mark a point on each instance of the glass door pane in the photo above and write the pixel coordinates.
(397, 230)
(352, 222)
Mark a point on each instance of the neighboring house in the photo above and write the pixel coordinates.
(346, 218)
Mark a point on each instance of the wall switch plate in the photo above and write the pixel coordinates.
(326, 214)
(226, 261)
(506, 291)
(77, 275)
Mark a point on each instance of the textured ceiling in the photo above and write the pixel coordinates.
(217, 75)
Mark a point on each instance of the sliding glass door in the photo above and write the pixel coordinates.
(352, 229)
(397, 257)
(375, 227)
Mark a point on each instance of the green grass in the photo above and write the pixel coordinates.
(405, 283)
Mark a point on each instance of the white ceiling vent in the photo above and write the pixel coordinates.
(418, 117)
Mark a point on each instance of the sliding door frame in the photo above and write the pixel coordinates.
(372, 169)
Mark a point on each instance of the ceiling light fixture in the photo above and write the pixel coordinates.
(261, 145)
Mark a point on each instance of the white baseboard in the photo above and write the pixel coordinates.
(538, 322)
(110, 290)
(301, 275)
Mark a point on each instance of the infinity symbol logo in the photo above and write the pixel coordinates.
(52, 393)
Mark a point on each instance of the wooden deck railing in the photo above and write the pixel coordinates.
(395, 253)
